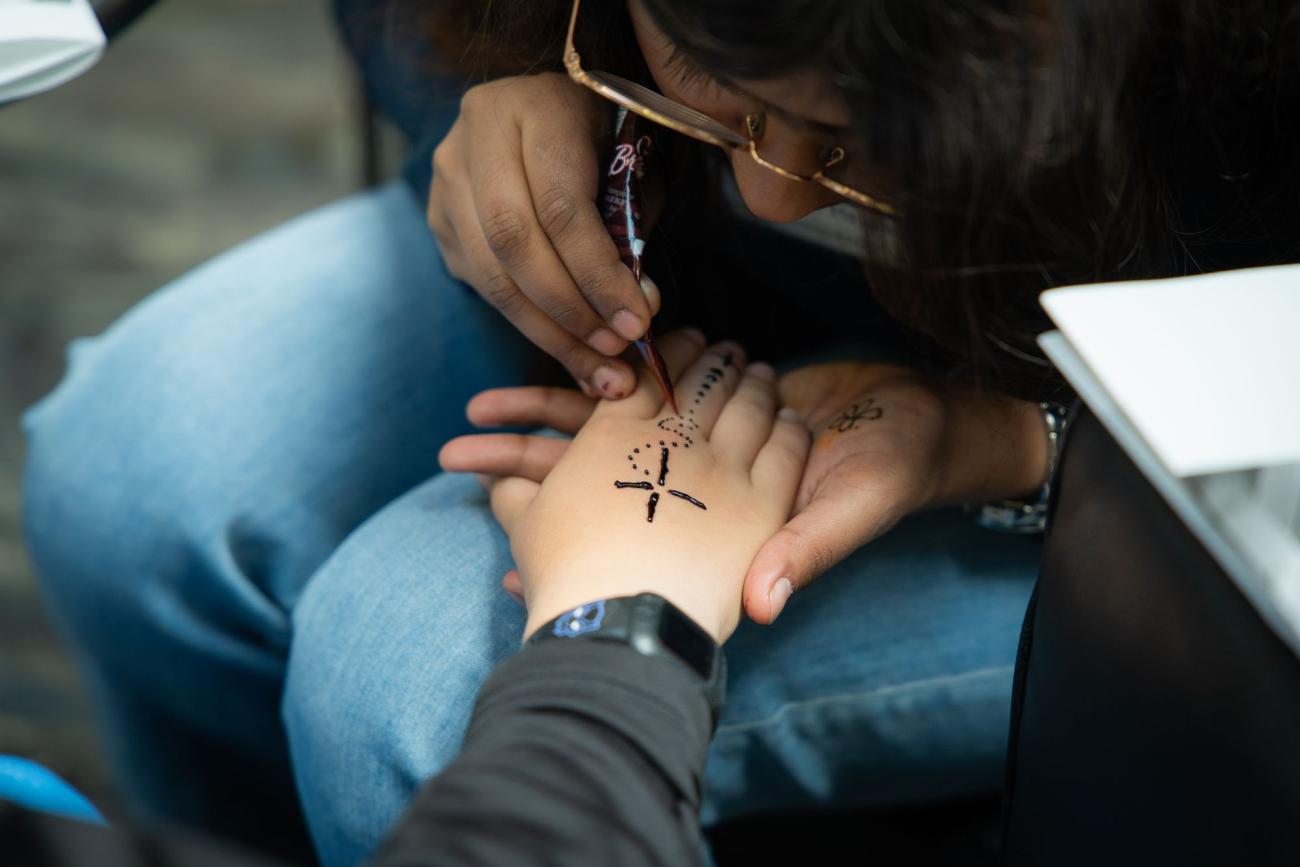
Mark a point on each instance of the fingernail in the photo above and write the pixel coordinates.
(484, 480)
(627, 324)
(608, 382)
(790, 414)
(605, 342)
(518, 598)
(695, 335)
(779, 595)
(761, 370)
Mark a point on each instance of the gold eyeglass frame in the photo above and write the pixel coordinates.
(704, 128)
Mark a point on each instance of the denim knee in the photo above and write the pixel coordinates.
(391, 642)
(250, 415)
(119, 490)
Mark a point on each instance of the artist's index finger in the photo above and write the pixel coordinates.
(565, 195)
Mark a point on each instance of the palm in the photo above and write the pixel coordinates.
(878, 432)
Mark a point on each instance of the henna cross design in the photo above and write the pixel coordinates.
(683, 426)
(653, 502)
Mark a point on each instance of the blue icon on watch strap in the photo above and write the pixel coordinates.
(581, 620)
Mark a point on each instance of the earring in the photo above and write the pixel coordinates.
(832, 156)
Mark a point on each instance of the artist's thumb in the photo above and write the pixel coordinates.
(824, 533)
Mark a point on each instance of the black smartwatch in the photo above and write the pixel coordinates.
(652, 626)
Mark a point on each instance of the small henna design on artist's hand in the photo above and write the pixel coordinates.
(862, 411)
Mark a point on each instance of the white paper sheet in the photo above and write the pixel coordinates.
(43, 44)
(1206, 368)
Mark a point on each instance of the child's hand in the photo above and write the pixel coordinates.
(645, 500)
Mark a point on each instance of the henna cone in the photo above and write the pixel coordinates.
(621, 208)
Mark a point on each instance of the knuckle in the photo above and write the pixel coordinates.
(597, 283)
(557, 211)
(472, 98)
(564, 313)
(506, 233)
(501, 292)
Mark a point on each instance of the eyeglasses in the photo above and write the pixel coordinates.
(687, 121)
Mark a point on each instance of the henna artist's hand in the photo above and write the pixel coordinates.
(513, 209)
(644, 500)
(888, 442)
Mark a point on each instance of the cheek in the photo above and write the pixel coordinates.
(771, 197)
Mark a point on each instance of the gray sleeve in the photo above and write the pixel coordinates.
(578, 752)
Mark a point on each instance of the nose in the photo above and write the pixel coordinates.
(772, 197)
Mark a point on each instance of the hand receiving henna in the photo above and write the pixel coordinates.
(646, 500)
(888, 442)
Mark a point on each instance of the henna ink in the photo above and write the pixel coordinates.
(688, 498)
(653, 502)
(856, 412)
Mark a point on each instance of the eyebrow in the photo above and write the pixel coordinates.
(679, 57)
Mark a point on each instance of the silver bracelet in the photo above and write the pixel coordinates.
(1028, 516)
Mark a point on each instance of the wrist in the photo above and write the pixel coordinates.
(995, 448)
(715, 616)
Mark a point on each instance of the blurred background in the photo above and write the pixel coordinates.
(203, 125)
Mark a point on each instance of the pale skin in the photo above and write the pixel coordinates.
(521, 226)
(578, 537)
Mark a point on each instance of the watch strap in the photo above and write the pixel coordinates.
(651, 625)
(1029, 516)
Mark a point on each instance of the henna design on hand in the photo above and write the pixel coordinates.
(653, 502)
(684, 428)
(863, 411)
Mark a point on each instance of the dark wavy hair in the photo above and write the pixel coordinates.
(1028, 143)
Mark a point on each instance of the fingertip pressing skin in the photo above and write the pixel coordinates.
(611, 382)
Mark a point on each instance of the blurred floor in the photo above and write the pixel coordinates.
(204, 125)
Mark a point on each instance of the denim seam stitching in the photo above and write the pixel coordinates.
(896, 689)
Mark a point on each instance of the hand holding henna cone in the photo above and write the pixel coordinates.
(621, 207)
(655, 361)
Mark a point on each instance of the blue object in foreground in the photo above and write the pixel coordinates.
(29, 785)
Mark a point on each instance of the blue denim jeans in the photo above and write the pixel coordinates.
(234, 504)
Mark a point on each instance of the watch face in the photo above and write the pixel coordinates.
(581, 620)
(692, 644)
